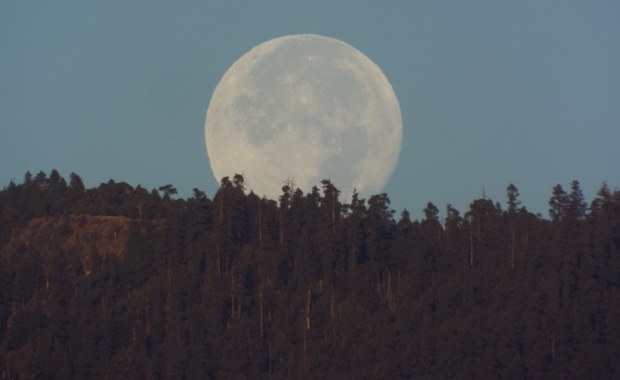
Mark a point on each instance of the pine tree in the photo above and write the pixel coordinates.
(558, 204)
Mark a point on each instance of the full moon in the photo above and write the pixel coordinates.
(300, 109)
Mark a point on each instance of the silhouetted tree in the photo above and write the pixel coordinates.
(558, 204)
(117, 281)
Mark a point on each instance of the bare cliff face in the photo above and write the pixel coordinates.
(81, 235)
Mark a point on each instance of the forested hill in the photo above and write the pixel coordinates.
(121, 282)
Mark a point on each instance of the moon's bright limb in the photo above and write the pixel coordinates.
(304, 108)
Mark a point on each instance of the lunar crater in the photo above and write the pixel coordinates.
(304, 107)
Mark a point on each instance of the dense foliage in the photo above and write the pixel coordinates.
(121, 282)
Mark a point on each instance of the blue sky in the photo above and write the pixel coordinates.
(491, 92)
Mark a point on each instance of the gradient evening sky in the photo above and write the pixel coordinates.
(491, 92)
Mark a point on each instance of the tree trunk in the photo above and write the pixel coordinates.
(513, 243)
(308, 304)
(281, 229)
(232, 293)
(260, 224)
(260, 313)
(471, 250)
(332, 304)
(334, 214)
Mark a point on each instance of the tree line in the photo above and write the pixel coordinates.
(305, 286)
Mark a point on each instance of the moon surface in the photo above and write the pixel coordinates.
(304, 108)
